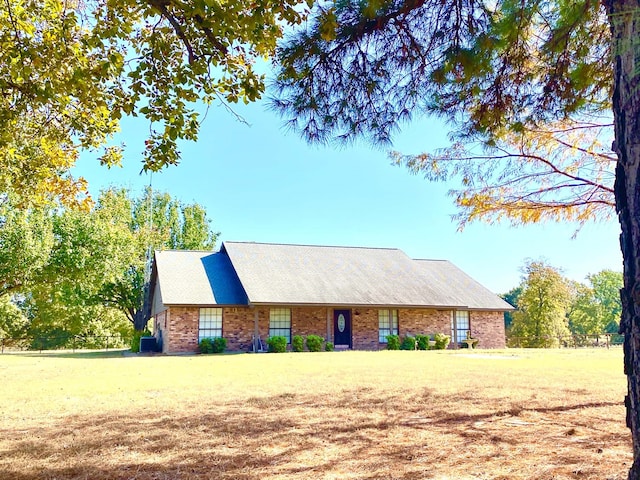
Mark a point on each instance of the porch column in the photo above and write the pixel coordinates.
(256, 331)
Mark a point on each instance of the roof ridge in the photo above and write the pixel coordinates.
(312, 245)
(184, 251)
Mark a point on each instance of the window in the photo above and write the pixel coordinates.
(459, 325)
(280, 323)
(387, 324)
(210, 324)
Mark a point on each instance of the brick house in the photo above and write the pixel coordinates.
(351, 296)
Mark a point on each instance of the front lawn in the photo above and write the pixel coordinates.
(513, 414)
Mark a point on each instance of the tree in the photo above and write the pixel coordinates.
(61, 300)
(558, 172)
(597, 307)
(69, 70)
(541, 318)
(13, 323)
(94, 279)
(26, 239)
(361, 68)
(511, 297)
(154, 221)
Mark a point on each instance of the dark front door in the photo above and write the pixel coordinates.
(342, 327)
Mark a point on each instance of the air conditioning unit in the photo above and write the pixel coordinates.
(148, 344)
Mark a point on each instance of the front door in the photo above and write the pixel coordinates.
(342, 328)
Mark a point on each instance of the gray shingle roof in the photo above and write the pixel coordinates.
(259, 273)
(466, 291)
(320, 275)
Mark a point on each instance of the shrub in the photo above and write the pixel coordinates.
(135, 340)
(205, 345)
(277, 344)
(297, 343)
(408, 343)
(393, 342)
(328, 347)
(314, 343)
(219, 345)
(442, 341)
(422, 342)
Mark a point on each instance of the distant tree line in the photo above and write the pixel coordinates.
(69, 272)
(550, 307)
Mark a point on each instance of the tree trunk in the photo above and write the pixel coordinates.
(143, 312)
(624, 18)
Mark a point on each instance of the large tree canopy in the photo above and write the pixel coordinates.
(541, 319)
(525, 83)
(69, 70)
(91, 278)
(153, 221)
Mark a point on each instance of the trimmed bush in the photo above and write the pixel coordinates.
(408, 343)
(219, 345)
(328, 347)
(205, 345)
(277, 344)
(314, 343)
(135, 340)
(297, 343)
(422, 342)
(212, 345)
(393, 342)
(442, 341)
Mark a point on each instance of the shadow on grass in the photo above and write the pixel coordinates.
(291, 436)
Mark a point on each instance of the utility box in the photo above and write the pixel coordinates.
(148, 344)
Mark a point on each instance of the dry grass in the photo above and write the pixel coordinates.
(514, 414)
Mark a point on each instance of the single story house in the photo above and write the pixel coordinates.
(351, 296)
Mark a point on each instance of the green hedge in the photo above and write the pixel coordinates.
(314, 343)
(212, 345)
(297, 343)
(422, 342)
(393, 342)
(442, 341)
(408, 343)
(277, 344)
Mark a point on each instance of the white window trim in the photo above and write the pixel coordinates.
(393, 329)
(277, 315)
(213, 316)
(454, 326)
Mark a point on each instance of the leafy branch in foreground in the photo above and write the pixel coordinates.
(560, 172)
(70, 70)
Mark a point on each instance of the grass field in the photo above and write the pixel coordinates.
(514, 414)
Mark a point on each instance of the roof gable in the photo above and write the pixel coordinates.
(197, 278)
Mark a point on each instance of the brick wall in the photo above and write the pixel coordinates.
(237, 328)
(414, 322)
(308, 321)
(364, 328)
(488, 328)
(179, 326)
(181, 333)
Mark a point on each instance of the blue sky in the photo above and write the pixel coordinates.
(263, 183)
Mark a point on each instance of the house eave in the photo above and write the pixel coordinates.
(337, 305)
